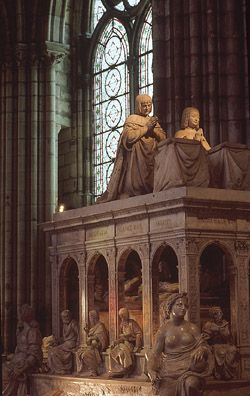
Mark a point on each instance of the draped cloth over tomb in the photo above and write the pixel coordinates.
(180, 162)
(230, 166)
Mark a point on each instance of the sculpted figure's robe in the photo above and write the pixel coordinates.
(133, 171)
(225, 353)
(122, 355)
(26, 359)
(60, 359)
(90, 356)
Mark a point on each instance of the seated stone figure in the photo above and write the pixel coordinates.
(180, 359)
(220, 339)
(60, 357)
(89, 356)
(134, 165)
(190, 128)
(27, 357)
(121, 357)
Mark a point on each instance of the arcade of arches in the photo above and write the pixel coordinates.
(201, 57)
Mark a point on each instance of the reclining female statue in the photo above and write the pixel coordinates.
(134, 165)
(190, 128)
(181, 358)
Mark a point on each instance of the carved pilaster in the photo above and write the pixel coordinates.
(83, 315)
(188, 249)
(144, 253)
(111, 255)
(54, 261)
(242, 295)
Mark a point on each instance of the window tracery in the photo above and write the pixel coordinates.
(121, 68)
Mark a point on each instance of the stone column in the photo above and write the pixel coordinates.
(83, 119)
(83, 287)
(242, 306)
(55, 262)
(8, 269)
(52, 56)
(147, 302)
(113, 293)
(189, 276)
(200, 59)
(28, 179)
(242, 299)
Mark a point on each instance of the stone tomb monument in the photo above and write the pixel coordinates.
(133, 250)
(195, 237)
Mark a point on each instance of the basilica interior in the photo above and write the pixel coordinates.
(59, 249)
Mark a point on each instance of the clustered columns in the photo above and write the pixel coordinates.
(28, 161)
(211, 73)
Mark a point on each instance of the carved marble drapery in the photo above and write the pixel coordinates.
(200, 59)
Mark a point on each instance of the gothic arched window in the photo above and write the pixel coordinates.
(121, 68)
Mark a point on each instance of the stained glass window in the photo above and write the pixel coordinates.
(146, 56)
(111, 98)
(118, 68)
(98, 12)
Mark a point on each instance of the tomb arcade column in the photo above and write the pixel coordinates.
(55, 262)
(144, 250)
(242, 290)
(113, 293)
(188, 266)
(83, 286)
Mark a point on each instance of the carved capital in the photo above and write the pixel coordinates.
(144, 250)
(81, 258)
(53, 53)
(187, 245)
(241, 247)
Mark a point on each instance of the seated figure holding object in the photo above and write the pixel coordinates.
(121, 357)
(89, 356)
(221, 341)
(60, 357)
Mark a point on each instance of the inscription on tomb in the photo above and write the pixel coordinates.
(165, 223)
(130, 228)
(99, 233)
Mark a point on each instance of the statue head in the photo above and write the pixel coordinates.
(172, 299)
(26, 313)
(143, 105)
(66, 316)
(190, 118)
(215, 312)
(123, 314)
(93, 317)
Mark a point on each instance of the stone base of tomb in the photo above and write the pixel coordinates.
(51, 385)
